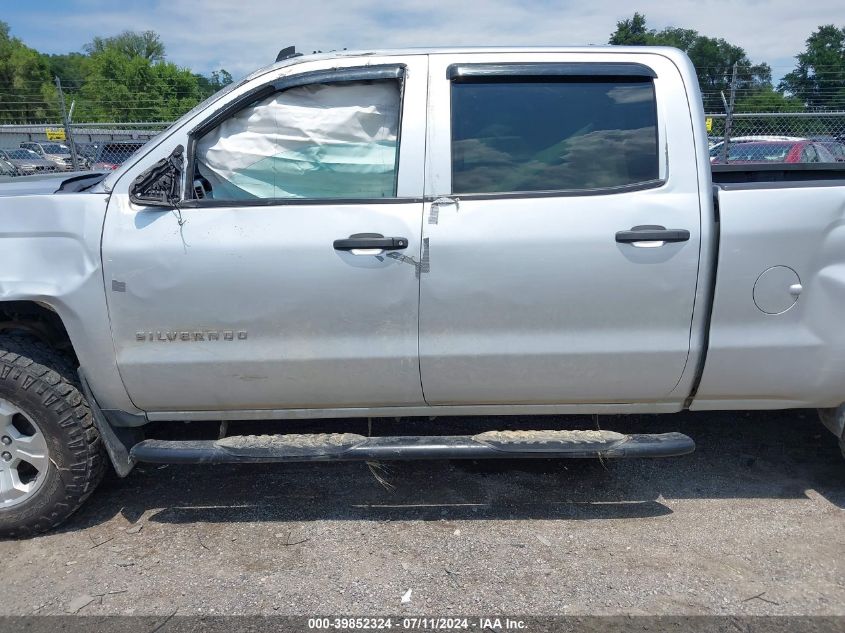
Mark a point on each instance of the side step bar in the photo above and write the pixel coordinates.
(349, 447)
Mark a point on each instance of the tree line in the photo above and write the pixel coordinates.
(121, 78)
(127, 77)
(816, 83)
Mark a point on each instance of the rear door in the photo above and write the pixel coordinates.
(563, 240)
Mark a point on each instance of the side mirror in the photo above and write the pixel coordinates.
(158, 186)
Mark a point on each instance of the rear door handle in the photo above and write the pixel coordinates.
(376, 241)
(652, 233)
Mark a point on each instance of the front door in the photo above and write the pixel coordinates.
(539, 290)
(262, 292)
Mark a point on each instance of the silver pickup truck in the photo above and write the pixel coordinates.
(411, 233)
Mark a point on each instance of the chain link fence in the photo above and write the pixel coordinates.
(27, 150)
(797, 137)
(762, 137)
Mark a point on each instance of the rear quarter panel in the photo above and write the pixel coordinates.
(796, 358)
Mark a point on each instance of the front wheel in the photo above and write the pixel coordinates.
(51, 457)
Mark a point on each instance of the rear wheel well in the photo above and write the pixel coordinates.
(40, 321)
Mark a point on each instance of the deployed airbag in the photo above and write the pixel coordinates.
(315, 141)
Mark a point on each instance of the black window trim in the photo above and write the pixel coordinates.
(521, 70)
(373, 72)
(560, 193)
(517, 72)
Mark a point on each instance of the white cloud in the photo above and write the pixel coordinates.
(241, 36)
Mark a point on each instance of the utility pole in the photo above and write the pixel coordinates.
(74, 159)
(729, 116)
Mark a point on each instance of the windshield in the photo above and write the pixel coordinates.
(760, 152)
(837, 149)
(23, 154)
(55, 148)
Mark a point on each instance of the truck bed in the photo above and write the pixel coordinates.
(775, 335)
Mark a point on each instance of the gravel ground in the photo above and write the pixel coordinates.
(751, 523)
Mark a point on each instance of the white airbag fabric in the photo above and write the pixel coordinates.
(315, 141)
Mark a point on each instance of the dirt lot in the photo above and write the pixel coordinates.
(752, 523)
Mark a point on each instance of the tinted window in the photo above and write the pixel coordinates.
(55, 148)
(810, 155)
(836, 149)
(543, 136)
(825, 154)
(317, 141)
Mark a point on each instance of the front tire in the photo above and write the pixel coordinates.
(51, 457)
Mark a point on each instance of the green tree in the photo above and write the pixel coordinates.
(819, 78)
(71, 68)
(26, 91)
(128, 79)
(211, 84)
(631, 32)
(146, 44)
(713, 59)
(121, 78)
(769, 100)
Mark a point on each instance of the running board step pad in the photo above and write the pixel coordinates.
(324, 447)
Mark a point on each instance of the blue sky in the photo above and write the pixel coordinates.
(241, 36)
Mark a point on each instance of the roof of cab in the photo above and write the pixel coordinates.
(666, 51)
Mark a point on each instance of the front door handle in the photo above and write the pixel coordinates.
(371, 241)
(652, 233)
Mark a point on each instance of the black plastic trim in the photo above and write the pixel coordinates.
(779, 173)
(805, 183)
(370, 241)
(711, 298)
(652, 233)
(160, 184)
(521, 70)
(118, 453)
(76, 184)
(282, 202)
(603, 191)
(287, 53)
(410, 448)
(340, 75)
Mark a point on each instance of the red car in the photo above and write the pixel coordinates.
(779, 152)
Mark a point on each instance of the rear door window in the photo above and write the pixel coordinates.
(550, 134)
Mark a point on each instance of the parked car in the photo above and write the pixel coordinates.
(28, 162)
(546, 239)
(58, 153)
(7, 168)
(88, 150)
(112, 154)
(779, 152)
(836, 148)
(716, 147)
